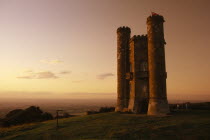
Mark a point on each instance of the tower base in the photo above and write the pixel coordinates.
(122, 105)
(158, 107)
(118, 109)
(138, 107)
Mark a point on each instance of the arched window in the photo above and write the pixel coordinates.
(145, 88)
(144, 66)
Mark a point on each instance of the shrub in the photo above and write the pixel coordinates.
(19, 116)
(47, 116)
(106, 109)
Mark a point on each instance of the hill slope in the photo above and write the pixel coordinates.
(181, 125)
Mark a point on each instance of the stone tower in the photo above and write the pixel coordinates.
(138, 75)
(158, 104)
(141, 70)
(123, 66)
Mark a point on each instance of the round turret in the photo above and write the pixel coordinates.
(123, 66)
(158, 104)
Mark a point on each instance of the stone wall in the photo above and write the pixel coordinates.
(138, 67)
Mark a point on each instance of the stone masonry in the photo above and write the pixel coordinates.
(141, 70)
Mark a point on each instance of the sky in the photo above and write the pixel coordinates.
(67, 48)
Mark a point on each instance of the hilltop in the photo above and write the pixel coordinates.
(180, 125)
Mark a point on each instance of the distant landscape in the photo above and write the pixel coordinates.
(71, 106)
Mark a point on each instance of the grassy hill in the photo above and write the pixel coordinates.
(180, 125)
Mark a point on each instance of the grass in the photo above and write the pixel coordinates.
(180, 125)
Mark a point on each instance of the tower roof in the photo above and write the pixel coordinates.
(138, 37)
(155, 18)
(124, 29)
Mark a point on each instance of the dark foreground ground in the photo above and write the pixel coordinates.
(184, 125)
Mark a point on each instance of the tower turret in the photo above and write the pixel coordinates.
(123, 37)
(158, 104)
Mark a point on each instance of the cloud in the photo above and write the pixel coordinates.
(46, 75)
(28, 71)
(25, 77)
(51, 62)
(65, 72)
(77, 81)
(104, 75)
(38, 75)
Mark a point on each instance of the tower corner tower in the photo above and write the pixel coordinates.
(123, 37)
(158, 104)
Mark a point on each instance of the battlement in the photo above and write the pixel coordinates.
(155, 18)
(138, 37)
(124, 29)
(141, 69)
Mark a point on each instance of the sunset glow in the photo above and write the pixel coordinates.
(67, 48)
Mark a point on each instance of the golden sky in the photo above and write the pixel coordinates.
(67, 48)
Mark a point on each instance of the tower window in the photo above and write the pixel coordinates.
(130, 67)
(144, 66)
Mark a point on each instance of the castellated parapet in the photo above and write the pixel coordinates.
(141, 70)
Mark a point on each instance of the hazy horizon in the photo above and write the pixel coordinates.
(97, 97)
(72, 106)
